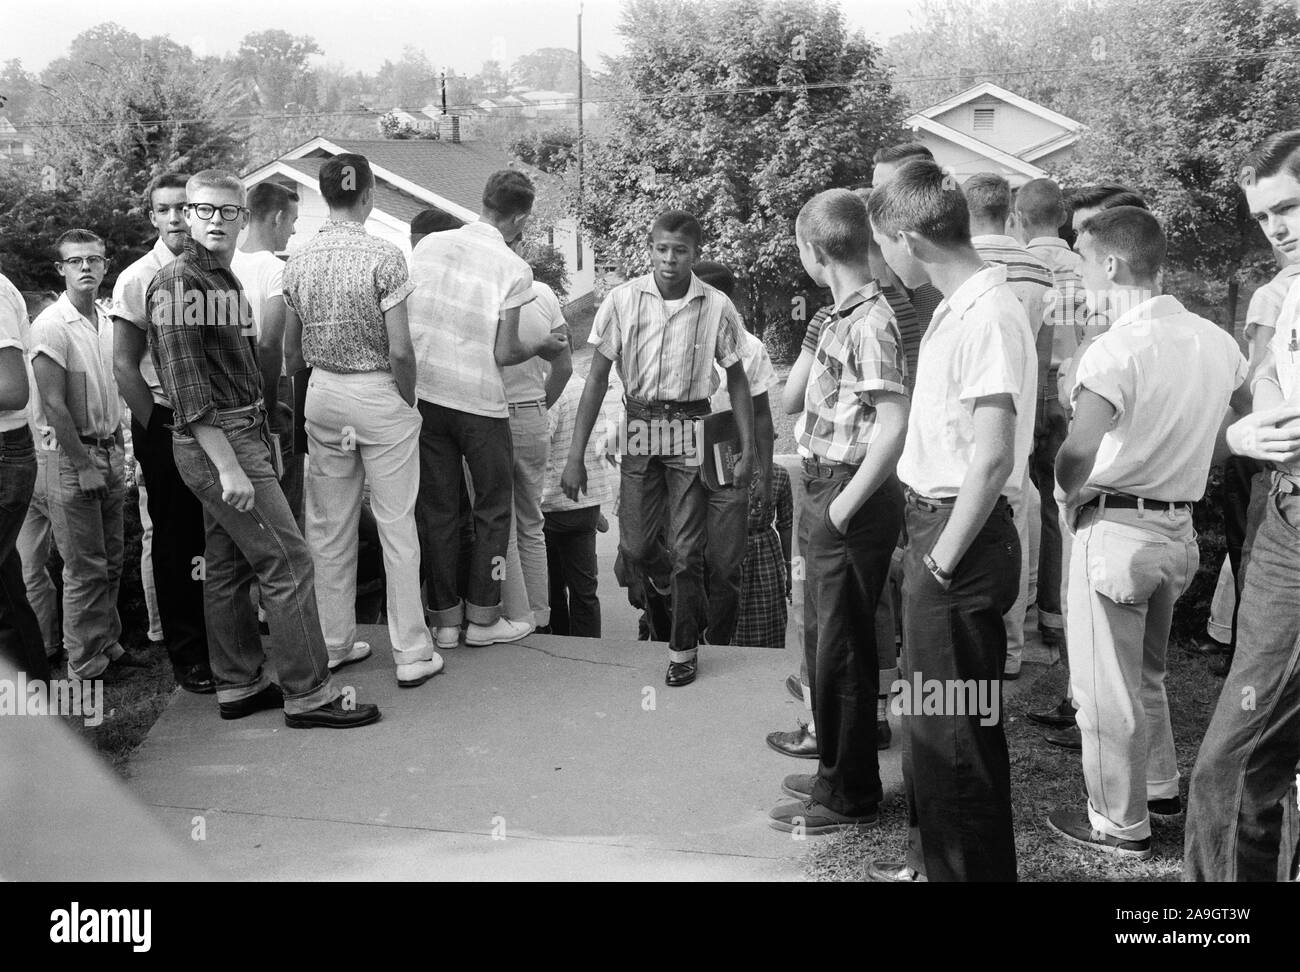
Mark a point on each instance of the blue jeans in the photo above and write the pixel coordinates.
(264, 543)
(20, 635)
(1249, 754)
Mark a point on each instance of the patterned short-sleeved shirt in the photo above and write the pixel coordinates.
(859, 354)
(340, 284)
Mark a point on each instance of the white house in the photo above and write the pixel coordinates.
(411, 176)
(13, 143)
(987, 128)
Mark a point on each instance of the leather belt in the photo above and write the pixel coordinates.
(540, 405)
(693, 409)
(928, 503)
(90, 440)
(820, 469)
(1123, 501)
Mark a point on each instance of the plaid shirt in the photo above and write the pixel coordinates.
(1070, 320)
(201, 339)
(859, 353)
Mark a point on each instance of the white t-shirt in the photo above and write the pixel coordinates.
(526, 382)
(261, 274)
(129, 304)
(1285, 343)
(758, 369)
(15, 332)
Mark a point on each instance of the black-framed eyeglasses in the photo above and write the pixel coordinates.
(93, 262)
(206, 211)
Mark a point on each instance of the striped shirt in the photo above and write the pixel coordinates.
(925, 300)
(465, 280)
(663, 356)
(600, 474)
(1070, 320)
(1028, 276)
(858, 354)
(909, 327)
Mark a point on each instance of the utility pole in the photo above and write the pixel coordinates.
(442, 87)
(580, 146)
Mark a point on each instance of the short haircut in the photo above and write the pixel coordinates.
(1040, 203)
(508, 193)
(1131, 233)
(214, 179)
(920, 199)
(901, 153)
(716, 275)
(431, 220)
(343, 178)
(74, 236)
(268, 198)
(165, 180)
(1104, 196)
(678, 221)
(1279, 152)
(835, 221)
(988, 196)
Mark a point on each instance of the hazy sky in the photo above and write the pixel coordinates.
(362, 35)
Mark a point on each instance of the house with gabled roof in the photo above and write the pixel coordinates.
(987, 128)
(413, 175)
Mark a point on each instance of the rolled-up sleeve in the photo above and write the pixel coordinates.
(392, 280)
(876, 364)
(727, 344)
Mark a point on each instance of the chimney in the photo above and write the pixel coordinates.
(455, 129)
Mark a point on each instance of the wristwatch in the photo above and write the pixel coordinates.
(942, 576)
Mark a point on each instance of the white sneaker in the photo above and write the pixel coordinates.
(502, 632)
(359, 651)
(448, 637)
(417, 673)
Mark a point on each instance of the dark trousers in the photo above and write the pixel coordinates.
(1052, 428)
(21, 644)
(956, 771)
(726, 525)
(1249, 754)
(1238, 475)
(178, 538)
(484, 444)
(845, 574)
(571, 565)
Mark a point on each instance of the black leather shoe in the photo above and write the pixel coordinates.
(1068, 738)
(681, 673)
(332, 715)
(1208, 648)
(1060, 716)
(896, 872)
(269, 698)
(800, 744)
(794, 687)
(1166, 809)
(128, 660)
(197, 679)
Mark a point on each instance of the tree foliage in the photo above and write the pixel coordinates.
(551, 150)
(743, 161)
(276, 67)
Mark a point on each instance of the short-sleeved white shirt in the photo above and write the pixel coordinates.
(526, 382)
(85, 352)
(1266, 302)
(1168, 374)
(465, 279)
(14, 333)
(1285, 343)
(129, 304)
(979, 343)
(261, 274)
(758, 369)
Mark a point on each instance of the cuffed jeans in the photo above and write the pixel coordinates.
(88, 533)
(571, 561)
(447, 436)
(1127, 570)
(359, 428)
(726, 524)
(956, 770)
(34, 543)
(20, 635)
(178, 542)
(264, 543)
(846, 573)
(1249, 754)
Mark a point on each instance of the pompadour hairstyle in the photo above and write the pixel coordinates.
(1279, 152)
(716, 275)
(508, 193)
(344, 178)
(988, 197)
(835, 221)
(678, 221)
(901, 152)
(431, 220)
(1105, 195)
(74, 236)
(1040, 203)
(1131, 233)
(268, 198)
(164, 180)
(215, 179)
(921, 199)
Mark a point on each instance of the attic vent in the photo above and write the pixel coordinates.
(984, 119)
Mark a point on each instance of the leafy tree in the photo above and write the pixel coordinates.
(551, 151)
(743, 160)
(548, 267)
(408, 82)
(493, 80)
(274, 65)
(17, 91)
(549, 69)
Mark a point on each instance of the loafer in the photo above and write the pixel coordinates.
(794, 687)
(502, 632)
(896, 872)
(359, 651)
(1069, 738)
(332, 715)
(1075, 827)
(1168, 809)
(1060, 716)
(799, 785)
(129, 660)
(269, 698)
(1208, 648)
(417, 673)
(1219, 664)
(810, 817)
(681, 673)
(801, 744)
(197, 679)
(447, 637)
